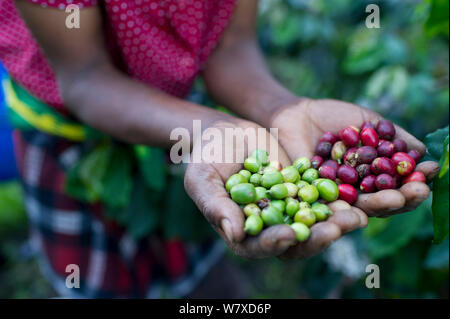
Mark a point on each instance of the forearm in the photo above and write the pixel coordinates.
(237, 76)
(128, 110)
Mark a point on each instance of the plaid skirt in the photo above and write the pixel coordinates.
(68, 232)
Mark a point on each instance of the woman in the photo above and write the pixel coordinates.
(124, 74)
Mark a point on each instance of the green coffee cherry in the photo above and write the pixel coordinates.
(290, 174)
(271, 216)
(279, 204)
(271, 178)
(253, 225)
(279, 191)
(302, 164)
(302, 232)
(255, 179)
(305, 216)
(287, 220)
(317, 181)
(301, 183)
(243, 193)
(292, 206)
(261, 193)
(252, 209)
(261, 155)
(310, 175)
(292, 189)
(246, 174)
(252, 164)
(321, 211)
(328, 190)
(308, 194)
(233, 180)
(304, 205)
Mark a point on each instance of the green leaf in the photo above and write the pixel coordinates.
(438, 21)
(437, 256)
(12, 210)
(440, 199)
(434, 142)
(152, 166)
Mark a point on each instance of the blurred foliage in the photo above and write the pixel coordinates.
(322, 49)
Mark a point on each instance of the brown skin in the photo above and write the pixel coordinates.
(100, 95)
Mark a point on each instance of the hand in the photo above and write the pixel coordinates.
(205, 184)
(302, 125)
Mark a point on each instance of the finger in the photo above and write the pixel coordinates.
(415, 193)
(322, 235)
(412, 142)
(381, 202)
(347, 220)
(364, 219)
(338, 205)
(207, 190)
(272, 241)
(429, 168)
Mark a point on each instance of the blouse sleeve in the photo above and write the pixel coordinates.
(62, 4)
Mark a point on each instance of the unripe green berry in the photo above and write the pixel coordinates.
(255, 179)
(246, 174)
(252, 209)
(233, 180)
(261, 193)
(305, 216)
(292, 206)
(321, 211)
(292, 189)
(302, 232)
(328, 190)
(243, 193)
(271, 178)
(271, 216)
(301, 183)
(253, 225)
(252, 164)
(278, 191)
(261, 155)
(290, 174)
(278, 204)
(302, 164)
(310, 175)
(304, 205)
(308, 194)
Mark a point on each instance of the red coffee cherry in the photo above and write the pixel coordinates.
(367, 124)
(383, 165)
(350, 136)
(400, 145)
(386, 149)
(351, 157)
(366, 154)
(347, 193)
(347, 174)
(323, 149)
(327, 172)
(404, 163)
(329, 137)
(331, 163)
(369, 137)
(415, 155)
(386, 130)
(385, 181)
(368, 184)
(415, 177)
(363, 170)
(316, 161)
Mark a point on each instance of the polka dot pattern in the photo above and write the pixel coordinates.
(163, 43)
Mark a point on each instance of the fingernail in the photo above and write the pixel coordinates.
(226, 227)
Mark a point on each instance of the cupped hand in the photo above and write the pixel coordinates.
(301, 125)
(205, 184)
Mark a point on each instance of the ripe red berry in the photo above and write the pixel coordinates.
(350, 136)
(404, 163)
(347, 174)
(386, 149)
(367, 124)
(316, 161)
(366, 154)
(331, 163)
(327, 172)
(338, 151)
(351, 157)
(415, 155)
(385, 181)
(329, 137)
(383, 165)
(368, 184)
(415, 177)
(323, 149)
(369, 137)
(347, 193)
(363, 170)
(386, 130)
(400, 145)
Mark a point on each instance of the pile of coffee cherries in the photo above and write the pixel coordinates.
(270, 195)
(369, 158)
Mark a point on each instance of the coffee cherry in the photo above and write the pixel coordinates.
(261, 155)
(233, 180)
(369, 137)
(302, 231)
(347, 174)
(244, 193)
(328, 190)
(305, 216)
(292, 206)
(386, 149)
(292, 189)
(271, 216)
(385, 181)
(351, 157)
(327, 172)
(366, 154)
(271, 178)
(321, 211)
(290, 174)
(331, 163)
(279, 191)
(252, 164)
(385, 130)
(363, 170)
(415, 177)
(310, 174)
(316, 161)
(255, 179)
(253, 225)
(329, 137)
(279, 204)
(415, 155)
(304, 205)
(367, 124)
(383, 165)
(261, 193)
(368, 184)
(300, 184)
(308, 194)
(246, 174)
(405, 164)
(263, 203)
(252, 209)
(302, 164)
(400, 145)
(323, 149)
(347, 193)
(338, 151)
(350, 136)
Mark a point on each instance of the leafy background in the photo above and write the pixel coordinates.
(322, 48)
